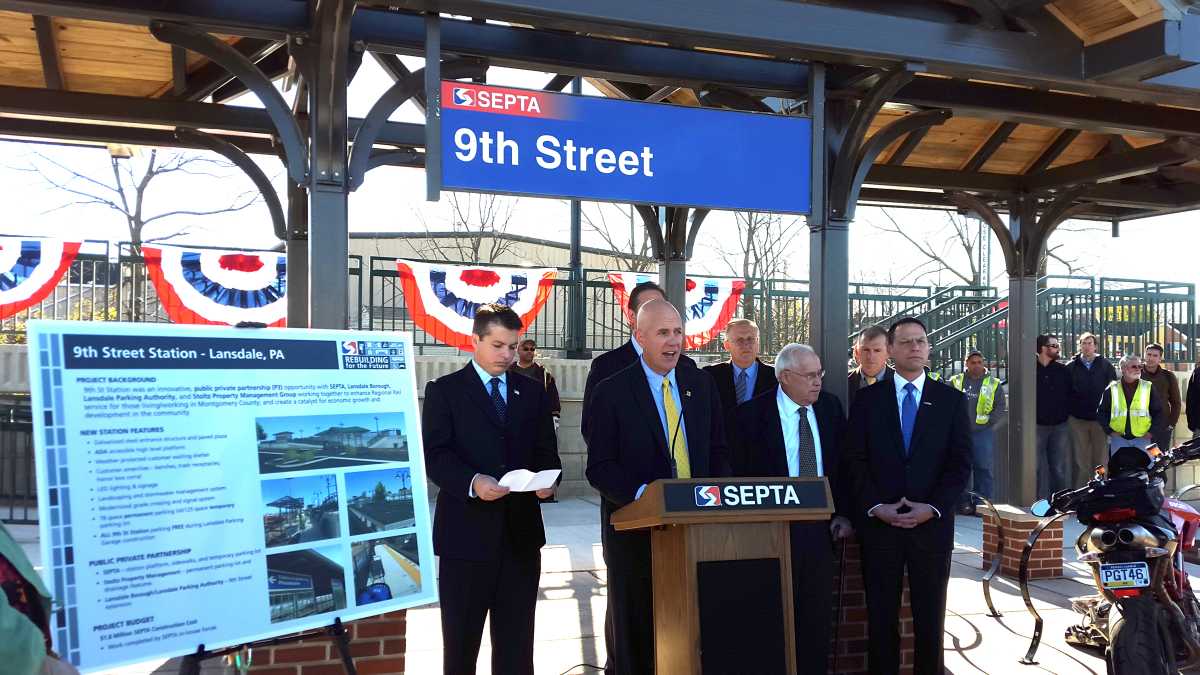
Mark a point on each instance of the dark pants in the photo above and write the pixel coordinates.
(884, 560)
(505, 588)
(812, 594)
(629, 621)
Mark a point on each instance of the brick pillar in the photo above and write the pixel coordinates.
(851, 648)
(1046, 560)
(377, 645)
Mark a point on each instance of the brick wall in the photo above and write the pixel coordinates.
(1046, 560)
(851, 646)
(377, 645)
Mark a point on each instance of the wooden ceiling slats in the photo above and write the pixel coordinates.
(1023, 146)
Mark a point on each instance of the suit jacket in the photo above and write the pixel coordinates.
(722, 374)
(628, 448)
(605, 366)
(1193, 401)
(855, 379)
(464, 436)
(762, 451)
(935, 471)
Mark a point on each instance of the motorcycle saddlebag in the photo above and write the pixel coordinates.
(1135, 492)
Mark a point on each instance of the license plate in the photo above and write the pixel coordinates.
(1125, 575)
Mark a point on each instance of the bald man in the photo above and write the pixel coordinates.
(639, 435)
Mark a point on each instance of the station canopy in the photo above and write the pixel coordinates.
(1102, 96)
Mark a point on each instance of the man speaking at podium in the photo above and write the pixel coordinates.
(908, 453)
(478, 424)
(796, 430)
(651, 420)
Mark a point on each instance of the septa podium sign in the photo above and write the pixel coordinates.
(518, 141)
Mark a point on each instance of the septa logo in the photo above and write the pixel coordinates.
(463, 97)
(500, 100)
(350, 348)
(708, 495)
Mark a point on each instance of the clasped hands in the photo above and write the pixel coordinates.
(489, 490)
(916, 514)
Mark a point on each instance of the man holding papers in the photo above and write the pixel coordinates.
(478, 424)
(649, 421)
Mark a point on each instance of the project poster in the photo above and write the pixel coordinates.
(217, 486)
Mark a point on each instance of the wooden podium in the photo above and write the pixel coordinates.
(722, 569)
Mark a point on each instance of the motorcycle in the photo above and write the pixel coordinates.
(1146, 616)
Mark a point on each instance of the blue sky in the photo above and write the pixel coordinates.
(312, 424)
(302, 487)
(358, 482)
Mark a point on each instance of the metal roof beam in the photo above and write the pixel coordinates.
(52, 72)
(910, 143)
(1159, 48)
(990, 146)
(1114, 166)
(793, 29)
(171, 113)
(1027, 106)
(1052, 152)
(941, 179)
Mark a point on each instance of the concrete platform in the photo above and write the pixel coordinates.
(571, 604)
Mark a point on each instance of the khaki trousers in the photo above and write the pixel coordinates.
(1091, 448)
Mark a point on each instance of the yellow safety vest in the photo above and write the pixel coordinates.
(935, 376)
(1138, 413)
(987, 396)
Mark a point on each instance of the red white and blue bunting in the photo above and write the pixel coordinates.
(442, 298)
(219, 287)
(30, 269)
(711, 303)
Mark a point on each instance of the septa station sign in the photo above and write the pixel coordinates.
(525, 142)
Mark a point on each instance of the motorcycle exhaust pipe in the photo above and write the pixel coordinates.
(1136, 535)
(1108, 539)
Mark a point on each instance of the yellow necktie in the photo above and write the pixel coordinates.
(677, 442)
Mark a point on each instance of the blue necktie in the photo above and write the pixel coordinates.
(908, 415)
(740, 384)
(498, 400)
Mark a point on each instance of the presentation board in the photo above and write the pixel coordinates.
(216, 486)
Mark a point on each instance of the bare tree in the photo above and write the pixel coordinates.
(478, 223)
(128, 191)
(761, 251)
(954, 248)
(610, 222)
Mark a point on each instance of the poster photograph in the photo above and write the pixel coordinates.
(191, 469)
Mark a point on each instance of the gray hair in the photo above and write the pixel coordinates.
(789, 357)
(1128, 359)
(740, 323)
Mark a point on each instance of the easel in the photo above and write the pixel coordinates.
(190, 665)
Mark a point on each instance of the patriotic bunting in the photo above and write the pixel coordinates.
(30, 269)
(219, 287)
(442, 298)
(710, 303)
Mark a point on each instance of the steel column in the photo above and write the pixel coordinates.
(829, 252)
(576, 298)
(1017, 462)
(326, 66)
(297, 256)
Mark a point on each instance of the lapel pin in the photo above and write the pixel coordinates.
(688, 393)
(926, 403)
(518, 392)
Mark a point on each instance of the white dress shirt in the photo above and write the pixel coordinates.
(789, 422)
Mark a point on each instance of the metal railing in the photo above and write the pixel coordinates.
(18, 482)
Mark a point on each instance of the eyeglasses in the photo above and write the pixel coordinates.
(819, 375)
(1134, 367)
(745, 341)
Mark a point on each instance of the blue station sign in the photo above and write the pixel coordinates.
(525, 142)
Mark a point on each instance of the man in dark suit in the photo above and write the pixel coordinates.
(651, 420)
(908, 454)
(478, 424)
(743, 376)
(607, 364)
(870, 353)
(796, 430)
